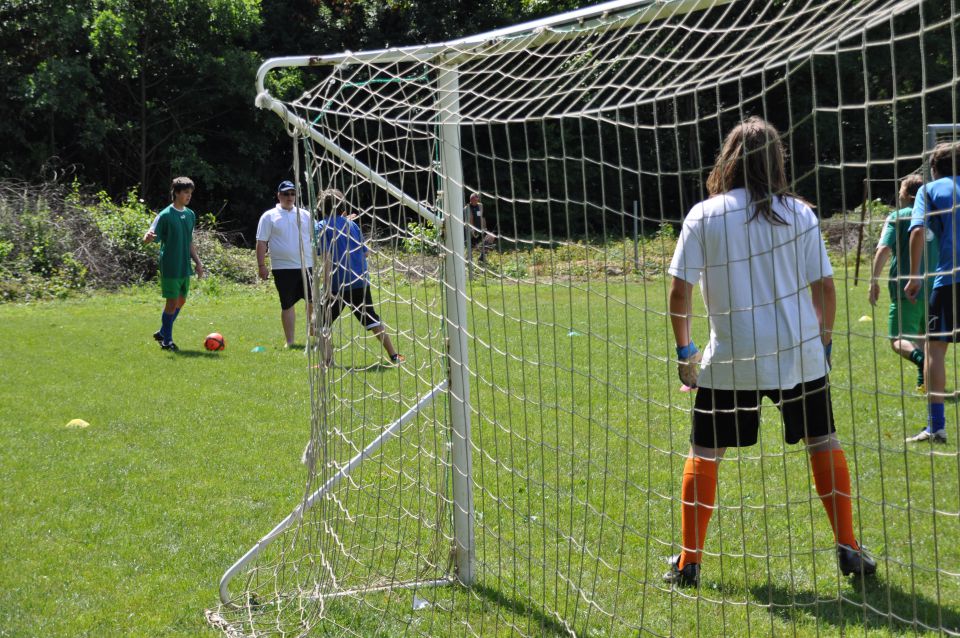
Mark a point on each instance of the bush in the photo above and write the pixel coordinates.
(841, 232)
(424, 239)
(55, 240)
(226, 261)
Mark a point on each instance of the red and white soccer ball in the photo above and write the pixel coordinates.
(214, 342)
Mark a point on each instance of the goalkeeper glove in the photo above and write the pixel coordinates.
(688, 364)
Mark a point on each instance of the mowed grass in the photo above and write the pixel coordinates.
(579, 434)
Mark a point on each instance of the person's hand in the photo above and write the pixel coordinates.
(827, 351)
(149, 236)
(262, 270)
(688, 364)
(912, 289)
(200, 270)
(874, 293)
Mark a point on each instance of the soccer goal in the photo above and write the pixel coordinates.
(519, 474)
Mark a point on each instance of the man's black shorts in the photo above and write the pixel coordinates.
(360, 302)
(289, 283)
(731, 418)
(941, 315)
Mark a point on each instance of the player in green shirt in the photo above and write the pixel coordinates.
(906, 321)
(173, 226)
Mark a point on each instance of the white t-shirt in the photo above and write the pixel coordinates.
(755, 279)
(278, 227)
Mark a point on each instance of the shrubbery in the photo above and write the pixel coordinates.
(55, 240)
(423, 239)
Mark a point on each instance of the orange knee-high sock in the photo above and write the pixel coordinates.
(698, 491)
(832, 479)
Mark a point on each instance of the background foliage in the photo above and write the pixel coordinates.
(55, 240)
(122, 95)
(130, 93)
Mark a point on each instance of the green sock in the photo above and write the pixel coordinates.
(917, 357)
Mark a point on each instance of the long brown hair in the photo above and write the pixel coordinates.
(753, 158)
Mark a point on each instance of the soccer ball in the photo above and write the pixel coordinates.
(214, 342)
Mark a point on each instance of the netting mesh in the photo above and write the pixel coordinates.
(588, 142)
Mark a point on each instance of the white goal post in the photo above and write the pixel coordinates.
(546, 30)
(520, 473)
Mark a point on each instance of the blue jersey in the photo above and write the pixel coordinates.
(936, 208)
(342, 240)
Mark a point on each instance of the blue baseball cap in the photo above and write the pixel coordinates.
(286, 185)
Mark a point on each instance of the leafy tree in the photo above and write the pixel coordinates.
(179, 71)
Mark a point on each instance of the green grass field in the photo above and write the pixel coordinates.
(579, 432)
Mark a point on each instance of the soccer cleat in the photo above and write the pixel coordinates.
(922, 389)
(398, 358)
(689, 576)
(940, 436)
(855, 561)
(158, 336)
(169, 345)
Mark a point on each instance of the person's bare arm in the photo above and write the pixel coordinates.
(879, 261)
(917, 238)
(824, 295)
(681, 307)
(262, 260)
(198, 265)
(681, 310)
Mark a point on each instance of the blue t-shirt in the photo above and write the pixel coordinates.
(935, 208)
(343, 241)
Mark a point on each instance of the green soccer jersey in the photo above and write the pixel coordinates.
(896, 237)
(174, 229)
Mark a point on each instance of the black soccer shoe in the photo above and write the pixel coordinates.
(171, 346)
(689, 576)
(158, 337)
(855, 561)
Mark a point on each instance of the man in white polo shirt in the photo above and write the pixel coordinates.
(278, 231)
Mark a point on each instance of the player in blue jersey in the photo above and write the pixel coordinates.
(340, 244)
(936, 208)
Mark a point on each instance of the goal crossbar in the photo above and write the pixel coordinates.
(624, 13)
(302, 126)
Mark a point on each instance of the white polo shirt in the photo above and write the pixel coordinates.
(755, 278)
(278, 227)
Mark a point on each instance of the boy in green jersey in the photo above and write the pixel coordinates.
(906, 321)
(173, 226)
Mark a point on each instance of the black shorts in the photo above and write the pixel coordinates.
(731, 418)
(941, 315)
(289, 283)
(360, 302)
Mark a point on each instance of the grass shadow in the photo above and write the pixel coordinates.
(872, 604)
(546, 625)
(373, 367)
(195, 353)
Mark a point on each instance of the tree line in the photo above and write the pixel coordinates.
(125, 94)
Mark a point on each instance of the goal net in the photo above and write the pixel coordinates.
(520, 472)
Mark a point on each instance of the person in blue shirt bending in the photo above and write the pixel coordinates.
(346, 279)
(936, 208)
